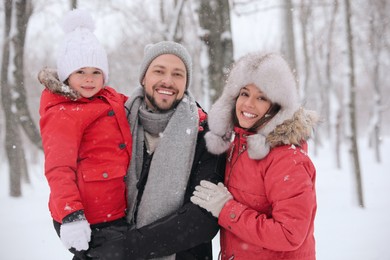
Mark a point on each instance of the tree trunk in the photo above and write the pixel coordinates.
(73, 4)
(23, 13)
(338, 131)
(214, 18)
(352, 107)
(329, 81)
(331, 98)
(13, 142)
(171, 20)
(377, 30)
(289, 46)
(305, 15)
(174, 26)
(374, 129)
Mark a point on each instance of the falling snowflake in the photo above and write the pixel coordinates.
(303, 152)
(67, 208)
(65, 89)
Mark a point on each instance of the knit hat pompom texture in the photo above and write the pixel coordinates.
(152, 51)
(273, 76)
(80, 47)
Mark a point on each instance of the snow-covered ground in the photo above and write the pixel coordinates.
(344, 231)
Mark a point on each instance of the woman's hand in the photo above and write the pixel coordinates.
(211, 197)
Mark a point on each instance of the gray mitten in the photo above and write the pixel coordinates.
(49, 78)
(211, 197)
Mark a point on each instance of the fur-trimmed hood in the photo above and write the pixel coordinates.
(271, 73)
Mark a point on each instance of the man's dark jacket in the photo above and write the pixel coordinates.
(189, 231)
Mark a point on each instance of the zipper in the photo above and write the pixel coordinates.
(240, 151)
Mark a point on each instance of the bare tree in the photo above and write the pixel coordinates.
(73, 4)
(331, 97)
(13, 92)
(214, 18)
(13, 142)
(174, 25)
(289, 38)
(304, 18)
(23, 12)
(330, 100)
(377, 30)
(354, 150)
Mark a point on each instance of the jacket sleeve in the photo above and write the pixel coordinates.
(189, 226)
(289, 186)
(61, 135)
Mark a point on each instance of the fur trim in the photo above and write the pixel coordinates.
(292, 131)
(216, 144)
(272, 74)
(258, 147)
(49, 78)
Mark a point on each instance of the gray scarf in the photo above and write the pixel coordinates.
(172, 160)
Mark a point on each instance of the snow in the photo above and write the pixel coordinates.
(343, 230)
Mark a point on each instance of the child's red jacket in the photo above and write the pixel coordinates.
(87, 145)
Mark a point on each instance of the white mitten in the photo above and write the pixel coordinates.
(76, 234)
(211, 197)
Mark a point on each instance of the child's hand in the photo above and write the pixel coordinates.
(49, 78)
(76, 234)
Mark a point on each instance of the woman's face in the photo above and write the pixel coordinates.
(251, 105)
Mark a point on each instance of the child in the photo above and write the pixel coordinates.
(87, 142)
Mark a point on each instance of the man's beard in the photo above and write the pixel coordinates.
(152, 101)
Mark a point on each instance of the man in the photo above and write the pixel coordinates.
(169, 159)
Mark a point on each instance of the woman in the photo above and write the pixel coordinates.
(267, 206)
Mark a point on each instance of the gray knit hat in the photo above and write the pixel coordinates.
(152, 51)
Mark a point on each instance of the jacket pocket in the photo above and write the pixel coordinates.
(103, 173)
(103, 192)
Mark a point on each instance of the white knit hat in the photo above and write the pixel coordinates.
(271, 73)
(80, 48)
(152, 51)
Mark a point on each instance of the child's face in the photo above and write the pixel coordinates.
(87, 81)
(251, 105)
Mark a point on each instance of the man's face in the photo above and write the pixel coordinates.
(165, 82)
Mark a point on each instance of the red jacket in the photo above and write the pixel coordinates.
(272, 214)
(87, 145)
